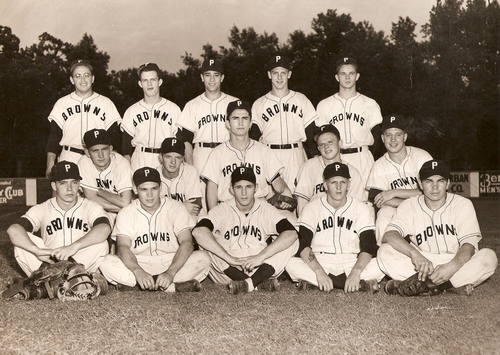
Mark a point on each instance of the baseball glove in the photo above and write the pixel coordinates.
(66, 280)
(283, 202)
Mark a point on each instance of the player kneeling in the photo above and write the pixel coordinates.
(337, 240)
(440, 249)
(154, 242)
(240, 235)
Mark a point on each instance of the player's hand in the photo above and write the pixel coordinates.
(192, 208)
(64, 253)
(251, 262)
(383, 197)
(43, 255)
(325, 283)
(423, 265)
(444, 272)
(352, 281)
(164, 280)
(144, 280)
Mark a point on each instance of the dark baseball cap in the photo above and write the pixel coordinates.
(434, 167)
(95, 137)
(149, 67)
(336, 169)
(346, 60)
(325, 129)
(65, 170)
(394, 121)
(79, 63)
(212, 64)
(279, 61)
(243, 173)
(238, 105)
(146, 174)
(170, 145)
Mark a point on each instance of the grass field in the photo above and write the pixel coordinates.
(288, 321)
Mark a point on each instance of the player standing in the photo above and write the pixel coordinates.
(283, 119)
(70, 226)
(443, 234)
(337, 240)
(149, 121)
(354, 115)
(154, 242)
(394, 176)
(248, 240)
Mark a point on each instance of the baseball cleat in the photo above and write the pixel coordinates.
(236, 287)
(269, 285)
(303, 285)
(188, 286)
(368, 286)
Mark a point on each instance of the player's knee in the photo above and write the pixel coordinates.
(202, 258)
(489, 260)
(385, 252)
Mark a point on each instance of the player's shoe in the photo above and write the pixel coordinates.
(303, 285)
(371, 286)
(271, 285)
(412, 286)
(98, 278)
(236, 287)
(188, 286)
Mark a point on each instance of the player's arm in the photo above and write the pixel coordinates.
(212, 195)
(393, 198)
(280, 186)
(310, 146)
(123, 245)
(97, 234)
(301, 202)
(94, 196)
(255, 132)
(127, 148)
(187, 137)
(19, 237)
(114, 134)
(202, 232)
(53, 148)
(185, 240)
(368, 250)
(118, 200)
(193, 205)
(444, 272)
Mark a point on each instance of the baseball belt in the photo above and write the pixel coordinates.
(283, 146)
(74, 150)
(150, 150)
(207, 145)
(351, 150)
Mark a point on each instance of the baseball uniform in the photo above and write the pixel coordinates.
(224, 159)
(354, 118)
(438, 235)
(309, 181)
(335, 241)
(185, 186)
(149, 126)
(75, 116)
(60, 228)
(154, 243)
(282, 122)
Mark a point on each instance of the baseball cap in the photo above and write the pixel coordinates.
(325, 129)
(172, 145)
(434, 167)
(394, 121)
(279, 61)
(212, 64)
(80, 62)
(95, 137)
(346, 60)
(149, 67)
(336, 169)
(64, 170)
(243, 173)
(238, 105)
(146, 174)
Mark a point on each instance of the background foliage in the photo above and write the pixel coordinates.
(448, 84)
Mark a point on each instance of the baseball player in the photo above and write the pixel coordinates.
(354, 115)
(106, 175)
(180, 181)
(148, 122)
(394, 176)
(70, 226)
(337, 240)
(248, 240)
(431, 244)
(240, 151)
(76, 113)
(309, 182)
(202, 121)
(154, 242)
(281, 118)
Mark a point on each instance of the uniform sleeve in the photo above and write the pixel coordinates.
(35, 215)
(94, 211)
(187, 118)
(123, 176)
(56, 114)
(88, 178)
(125, 224)
(127, 125)
(376, 114)
(112, 115)
(308, 217)
(256, 114)
(272, 165)
(310, 114)
(402, 220)
(377, 179)
(211, 170)
(193, 184)
(322, 111)
(467, 225)
(183, 219)
(364, 219)
(303, 181)
(356, 189)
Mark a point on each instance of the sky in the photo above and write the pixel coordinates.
(133, 32)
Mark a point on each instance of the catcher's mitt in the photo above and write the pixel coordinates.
(66, 280)
(283, 202)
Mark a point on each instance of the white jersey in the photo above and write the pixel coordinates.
(150, 125)
(116, 178)
(309, 181)
(441, 231)
(75, 116)
(283, 120)
(206, 119)
(336, 231)
(153, 234)
(184, 186)
(60, 228)
(354, 118)
(236, 230)
(224, 159)
(386, 174)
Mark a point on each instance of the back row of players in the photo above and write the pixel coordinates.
(338, 243)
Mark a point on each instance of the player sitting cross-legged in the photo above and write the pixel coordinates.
(249, 240)
(431, 243)
(337, 240)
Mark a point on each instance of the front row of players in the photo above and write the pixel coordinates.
(431, 243)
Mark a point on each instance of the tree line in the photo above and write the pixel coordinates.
(447, 84)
